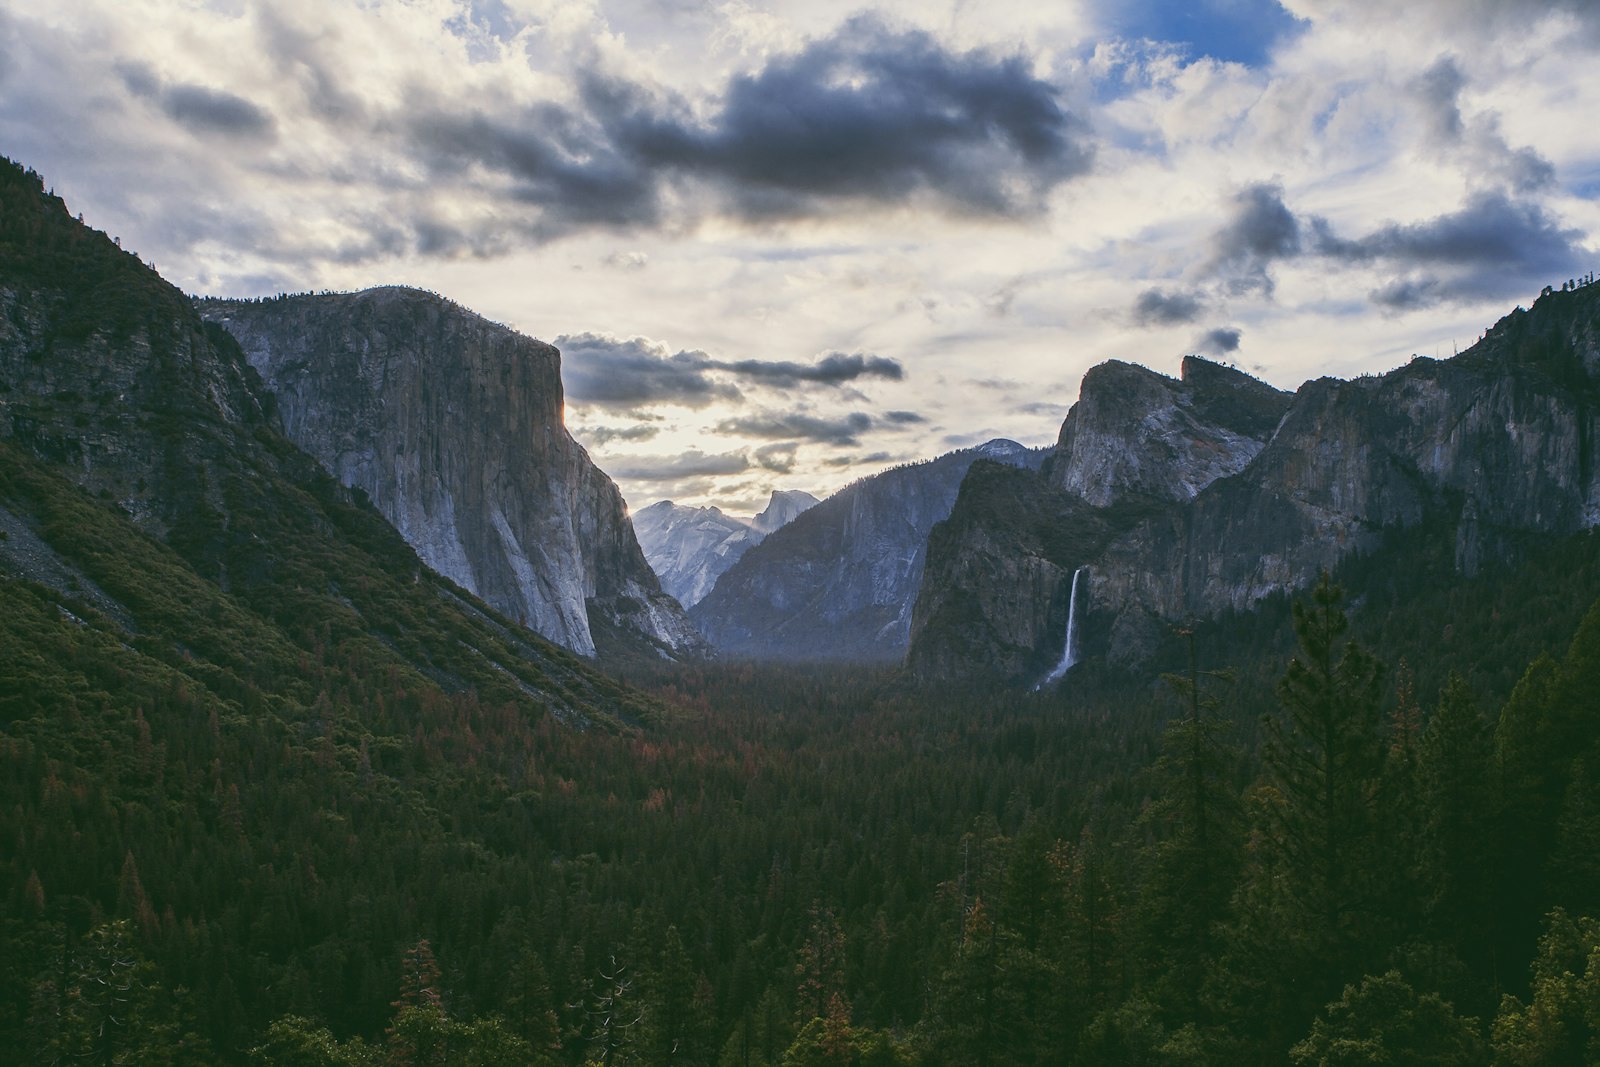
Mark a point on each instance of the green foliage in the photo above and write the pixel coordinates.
(1560, 1024)
(1385, 1021)
(294, 1041)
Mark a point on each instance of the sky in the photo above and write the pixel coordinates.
(786, 245)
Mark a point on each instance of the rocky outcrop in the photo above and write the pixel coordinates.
(1136, 432)
(838, 583)
(452, 426)
(1489, 448)
(690, 548)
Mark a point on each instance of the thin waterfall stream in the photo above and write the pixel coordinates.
(1069, 654)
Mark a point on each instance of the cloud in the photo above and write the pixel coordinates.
(871, 114)
(1496, 244)
(845, 430)
(1219, 341)
(1493, 245)
(865, 117)
(1476, 21)
(690, 464)
(1157, 307)
(904, 418)
(778, 458)
(600, 436)
(859, 461)
(835, 368)
(614, 374)
(620, 375)
(1477, 143)
(199, 109)
(628, 260)
(1260, 229)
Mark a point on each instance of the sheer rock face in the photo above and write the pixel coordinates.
(1206, 502)
(1134, 431)
(452, 426)
(690, 548)
(838, 583)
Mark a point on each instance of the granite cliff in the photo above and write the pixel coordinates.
(452, 427)
(690, 548)
(838, 582)
(149, 500)
(1193, 511)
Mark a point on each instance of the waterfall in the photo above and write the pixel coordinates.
(1069, 654)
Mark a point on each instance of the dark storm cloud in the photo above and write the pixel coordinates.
(836, 368)
(555, 161)
(845, 430)
(621, 375)
(1259, 230)
(199, 109)
(904, 418)
(212, 111)
(866, 116)
(1219, 341)
(878, 115)
(1158, 307)
(1493, 245)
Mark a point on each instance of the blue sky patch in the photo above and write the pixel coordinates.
(1234, 31)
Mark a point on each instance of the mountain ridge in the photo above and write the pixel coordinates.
(1496, 443)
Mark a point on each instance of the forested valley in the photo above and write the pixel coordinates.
(1375, 835)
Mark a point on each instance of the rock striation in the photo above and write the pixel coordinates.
(838, 583)
(690, 548)
(452, 426)
(1189, 498)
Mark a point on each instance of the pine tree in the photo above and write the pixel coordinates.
(1191, 862)
(1326, 757)
(417, 1034)
(1455, 762)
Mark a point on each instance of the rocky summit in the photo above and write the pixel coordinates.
(452, 426)
(690, 548)
(1186, 498)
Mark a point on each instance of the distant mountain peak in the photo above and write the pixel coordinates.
(690, 548)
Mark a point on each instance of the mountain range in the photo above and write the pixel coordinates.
(839, 582)
(397, 424)
(690, 548)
